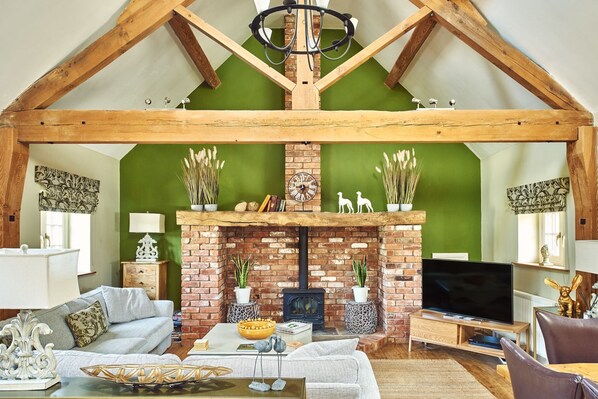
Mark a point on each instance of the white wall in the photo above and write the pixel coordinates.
(514, 166)
(105, 239)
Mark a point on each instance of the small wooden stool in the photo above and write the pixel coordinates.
(242, 311)
(361, 317)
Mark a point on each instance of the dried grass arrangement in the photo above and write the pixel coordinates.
(400, 176)
(201, 176)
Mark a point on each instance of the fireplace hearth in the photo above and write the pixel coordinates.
(303, 303)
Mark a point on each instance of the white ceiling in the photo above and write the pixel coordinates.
(37, 35)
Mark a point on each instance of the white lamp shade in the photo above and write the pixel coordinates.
(146, 223)
(40, 279)
(586, 256)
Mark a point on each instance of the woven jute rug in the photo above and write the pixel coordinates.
(428, 379)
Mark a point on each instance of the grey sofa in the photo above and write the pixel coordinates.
(149, 335)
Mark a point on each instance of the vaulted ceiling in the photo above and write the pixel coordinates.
(37, 35)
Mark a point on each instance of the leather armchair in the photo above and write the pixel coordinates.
(531, 380)
(569, 340)
(590, 389)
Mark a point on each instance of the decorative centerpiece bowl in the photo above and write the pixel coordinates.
(256, 329)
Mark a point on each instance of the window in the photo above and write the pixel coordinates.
(68, 230)
(538, 229)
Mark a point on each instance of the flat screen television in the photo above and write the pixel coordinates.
(481, 290)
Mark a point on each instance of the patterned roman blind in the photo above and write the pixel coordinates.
(540, 197)
(66, 192)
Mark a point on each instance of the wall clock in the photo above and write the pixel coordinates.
(302, 187)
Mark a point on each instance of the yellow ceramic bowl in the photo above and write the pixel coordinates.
(256, 329)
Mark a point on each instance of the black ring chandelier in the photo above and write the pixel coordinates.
(313, 43)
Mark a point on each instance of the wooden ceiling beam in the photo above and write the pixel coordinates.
(416, 41)
(371, 50)
(147, 17)
(177, 126)
(462, 19)
(235, 48)
(198, 56)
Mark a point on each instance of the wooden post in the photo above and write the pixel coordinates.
(13, 165)
(581, 158)
(305, 95)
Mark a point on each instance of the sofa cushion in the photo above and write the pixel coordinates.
(55, 318)
(126, 304)
(153, 330)
(69, 363)
(110, 343)
(95, 295)
(329, 369)
(87, 324)
(325, 348)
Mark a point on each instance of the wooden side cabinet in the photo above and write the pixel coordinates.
(148, 275)
(432, 327)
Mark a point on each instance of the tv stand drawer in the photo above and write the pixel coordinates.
(434, 331)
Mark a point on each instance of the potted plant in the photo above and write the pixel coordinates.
(192, 171)
(409, 178)
(211, 178)
(390, 172)
(360, 291)
(201, 176)
(242, 292)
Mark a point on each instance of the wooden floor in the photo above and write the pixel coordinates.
(482, 367)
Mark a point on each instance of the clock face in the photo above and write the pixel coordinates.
(303, 187)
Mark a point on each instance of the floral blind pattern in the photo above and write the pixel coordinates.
(541, 197)
(66, 192)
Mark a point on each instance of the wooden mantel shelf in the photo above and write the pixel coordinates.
(308, 219)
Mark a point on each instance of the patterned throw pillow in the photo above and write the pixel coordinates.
(87, 324)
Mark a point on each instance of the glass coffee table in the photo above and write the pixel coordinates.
(224, 339)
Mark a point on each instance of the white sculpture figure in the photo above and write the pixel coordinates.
(342, 202)
(363, 201)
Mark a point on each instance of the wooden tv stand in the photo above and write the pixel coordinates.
(436, 328)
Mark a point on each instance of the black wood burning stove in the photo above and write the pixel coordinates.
(303, 303)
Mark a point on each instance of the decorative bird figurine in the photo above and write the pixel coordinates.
(262, 347)
(279, 347)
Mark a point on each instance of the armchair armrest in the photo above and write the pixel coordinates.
(163, 308)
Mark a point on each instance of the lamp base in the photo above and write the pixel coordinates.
(147, 251)
(28, 385)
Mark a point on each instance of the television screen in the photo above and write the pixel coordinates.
(481, 290)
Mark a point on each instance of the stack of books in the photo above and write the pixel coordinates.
(292, 327)
(272, 203)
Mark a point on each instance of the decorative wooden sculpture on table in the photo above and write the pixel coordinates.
(566, 304)
(266, 346)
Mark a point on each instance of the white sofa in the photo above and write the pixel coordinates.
(332, 369)
(148, 335)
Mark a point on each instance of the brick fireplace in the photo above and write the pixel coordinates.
(391, 242)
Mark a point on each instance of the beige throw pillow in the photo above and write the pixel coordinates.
(87, 324)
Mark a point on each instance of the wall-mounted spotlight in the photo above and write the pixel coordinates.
(185, 101)
(416, 101)
(148, 102)
(433, 102)
(166, 102)
(452, 103)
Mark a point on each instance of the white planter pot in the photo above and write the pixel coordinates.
(197, 208)
(393, 207)
(360, 293)
(406, 207)
(211, 207)
(243, 294)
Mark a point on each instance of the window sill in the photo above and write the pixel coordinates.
(85, 274)
(555, 268)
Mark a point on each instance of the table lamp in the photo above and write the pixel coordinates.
(33, 279)
(146, 223)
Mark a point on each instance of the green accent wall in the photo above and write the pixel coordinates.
(449, 189)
